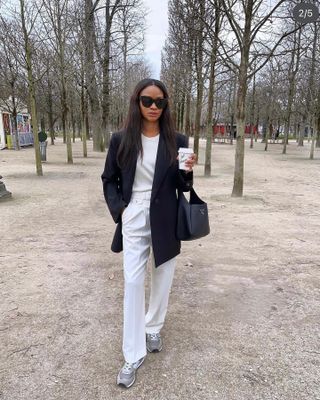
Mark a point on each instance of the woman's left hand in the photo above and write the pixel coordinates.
(190, 162)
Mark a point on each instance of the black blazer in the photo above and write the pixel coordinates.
(117, 189)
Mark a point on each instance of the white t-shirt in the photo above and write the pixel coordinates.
(145, 167)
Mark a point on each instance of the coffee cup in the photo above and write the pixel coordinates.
(184, 154)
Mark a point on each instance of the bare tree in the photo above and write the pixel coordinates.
(181, 75)
(90, 74)
(199, 65)
(313, 96)
(246, 23)
(57, 21)
(128, 42)
(110, 10)
(29, 66)
(9, 74)
(252, 111)
(212, 78)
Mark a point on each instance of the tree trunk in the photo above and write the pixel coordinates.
(106, 82)
(270, 109)
(64, 101)
(73, 122)
(269, 133)
(51, 128)
(293, 69)
(257, 125)
(302, 130)
(316, 124)
(252, 111)
(91, 82)
(66, 133)
(318, 139)
(213, 60)
(316, 128)
(181, 112)
(83, 118)
(234, 108)
(199, 72)
(187, 120)
(50, 109)
(42, 124)
(207, 164)
(189, 80)
(87, 125)
(15, 127)
(311, 101)
(237, 190)
(31, 87)
(16, 142)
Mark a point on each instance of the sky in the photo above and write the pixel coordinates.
(157, 28)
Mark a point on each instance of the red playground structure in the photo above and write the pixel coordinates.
(222, 132)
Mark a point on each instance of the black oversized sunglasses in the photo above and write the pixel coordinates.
(147, 101)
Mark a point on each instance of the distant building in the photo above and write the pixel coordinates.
(221, 131)
(7, 129)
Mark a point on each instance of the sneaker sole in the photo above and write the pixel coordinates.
(154, 350)
(128, 386)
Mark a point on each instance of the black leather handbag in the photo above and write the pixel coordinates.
(193, 218)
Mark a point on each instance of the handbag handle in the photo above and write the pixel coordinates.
(194, 198)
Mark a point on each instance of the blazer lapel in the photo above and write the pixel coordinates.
(161, 168)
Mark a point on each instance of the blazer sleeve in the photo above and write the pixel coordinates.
(111, 180)
(185, 178)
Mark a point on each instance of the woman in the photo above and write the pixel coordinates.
(140, 180)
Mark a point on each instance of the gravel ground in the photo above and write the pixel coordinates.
(243, 319)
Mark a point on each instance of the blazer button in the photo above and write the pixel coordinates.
(156, 201)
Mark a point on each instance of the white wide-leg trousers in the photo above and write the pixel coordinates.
(136, 249)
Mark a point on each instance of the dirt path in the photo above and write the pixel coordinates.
(243, 321)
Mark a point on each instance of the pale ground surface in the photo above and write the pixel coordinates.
(243, 321)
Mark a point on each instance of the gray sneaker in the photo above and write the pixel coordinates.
(154, 342)
(127, 374)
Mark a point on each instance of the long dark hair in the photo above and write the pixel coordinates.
(131, 144)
